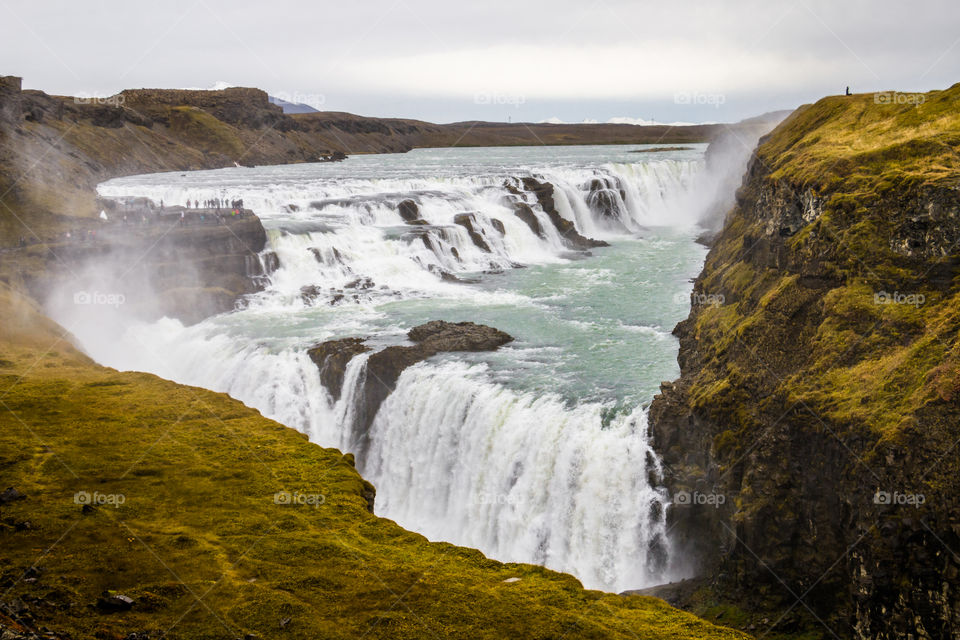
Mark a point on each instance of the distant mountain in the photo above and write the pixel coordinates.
(293, 107)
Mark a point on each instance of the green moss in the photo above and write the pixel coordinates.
(206, 132)
(860, 144)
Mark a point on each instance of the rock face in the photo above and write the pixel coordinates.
(410, 212)
(806, 442)
(467, 221)
(567, 230)
(523, 211)
(543, 193)
(605, 196)
(11, 107)
(384, 367)
(332, 358)
(161, 268)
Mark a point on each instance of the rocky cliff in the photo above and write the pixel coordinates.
(811, 441)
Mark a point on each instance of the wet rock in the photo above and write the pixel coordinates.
(602, 196)
(469, 221)
(498, 225)
(271, 262)
(410, 212)
(310, 293)
(360, 283)
(383, 368)
(523, 211)
(567, 229)
(332, 357)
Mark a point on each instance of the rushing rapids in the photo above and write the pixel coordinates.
(536, 452)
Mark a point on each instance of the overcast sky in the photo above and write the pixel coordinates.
(444, 60)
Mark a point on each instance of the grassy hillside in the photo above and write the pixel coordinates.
(189, 528)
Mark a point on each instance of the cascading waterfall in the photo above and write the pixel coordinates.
(522, 478)
(522, 475)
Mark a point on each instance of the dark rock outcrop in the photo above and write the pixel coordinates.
(468, 221)
(410, 212)
(161, 268)
(523, 211)
(567, 230)
(332, 358)
(604, 195)
(11, 106)
(384, 367)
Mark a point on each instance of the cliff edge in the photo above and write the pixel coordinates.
(811, 441)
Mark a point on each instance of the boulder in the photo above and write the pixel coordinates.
(112, 602)
(410, 212)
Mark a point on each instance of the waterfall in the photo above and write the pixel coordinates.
(520, 477)
(454, 452)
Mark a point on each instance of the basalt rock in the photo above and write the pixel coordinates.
(332, 358)
(384, 367)
(567, 230)
(523, 211)
(602, 196)
(468, 221)
(410, 212)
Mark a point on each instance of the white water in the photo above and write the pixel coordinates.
(537, 452)
(525, 478)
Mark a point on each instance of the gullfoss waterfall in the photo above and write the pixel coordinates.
(536, 452)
